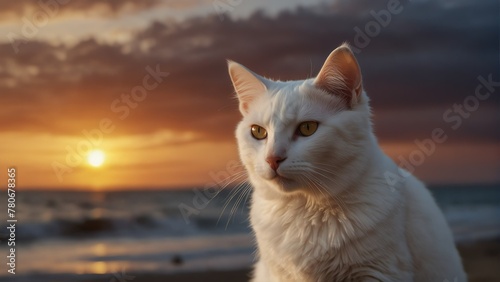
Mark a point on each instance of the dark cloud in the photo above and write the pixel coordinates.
(424, 61)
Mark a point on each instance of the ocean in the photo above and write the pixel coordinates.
(172, 231)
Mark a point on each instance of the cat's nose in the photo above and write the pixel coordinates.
(274, 161)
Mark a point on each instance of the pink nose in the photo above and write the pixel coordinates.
(274, 161)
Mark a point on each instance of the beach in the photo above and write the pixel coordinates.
(481, 261)
(209, 276)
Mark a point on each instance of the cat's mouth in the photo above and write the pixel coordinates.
(282, 181)
(279, 179)
(276, 175)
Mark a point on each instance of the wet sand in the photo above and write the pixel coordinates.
(481, 261)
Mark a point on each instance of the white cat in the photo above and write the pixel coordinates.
(322, 209)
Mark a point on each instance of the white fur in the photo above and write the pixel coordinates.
(332, 216)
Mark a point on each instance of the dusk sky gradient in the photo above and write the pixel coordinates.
(63, 74)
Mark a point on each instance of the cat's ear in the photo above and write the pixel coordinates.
(247, 84)
(341, 75)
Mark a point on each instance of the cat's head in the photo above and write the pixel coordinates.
(302, 135)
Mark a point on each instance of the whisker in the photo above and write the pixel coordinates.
(229, 198)
(236, 204)
(237, 176)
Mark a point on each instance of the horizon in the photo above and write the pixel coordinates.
(229, 187)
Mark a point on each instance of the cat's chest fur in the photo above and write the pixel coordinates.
(301, 241)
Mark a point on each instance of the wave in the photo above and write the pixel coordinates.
(139, 226)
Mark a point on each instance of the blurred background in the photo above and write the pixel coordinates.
(119, 117)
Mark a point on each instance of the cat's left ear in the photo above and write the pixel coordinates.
(247, 84)
(341, 75)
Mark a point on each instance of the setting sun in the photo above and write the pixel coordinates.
(96, 158)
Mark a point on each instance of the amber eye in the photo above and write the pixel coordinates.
(258, 132)
(307, 128)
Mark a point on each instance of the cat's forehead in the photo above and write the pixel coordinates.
(285, 103)
(291, 102)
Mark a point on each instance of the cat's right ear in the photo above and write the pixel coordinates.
(247, 84)
(341, 75)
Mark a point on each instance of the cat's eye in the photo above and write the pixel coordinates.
(307, 128)
(258, 132)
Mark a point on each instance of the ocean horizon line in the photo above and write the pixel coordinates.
(201, 186)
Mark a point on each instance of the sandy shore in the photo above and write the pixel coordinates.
(216, 276)
(212, 276)
(481, 261)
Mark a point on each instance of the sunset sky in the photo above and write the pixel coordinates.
(66, 72)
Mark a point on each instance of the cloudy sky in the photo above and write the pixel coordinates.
(69, 74)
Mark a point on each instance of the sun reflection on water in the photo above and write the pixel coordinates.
(98, 267)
